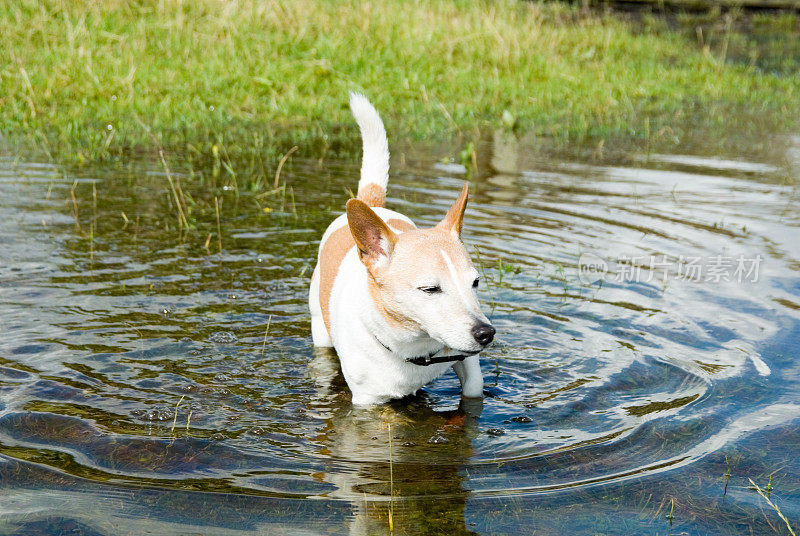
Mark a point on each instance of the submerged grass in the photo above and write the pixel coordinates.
(766, 497)
(263, 77)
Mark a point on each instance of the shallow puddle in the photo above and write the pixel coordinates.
(647, 308)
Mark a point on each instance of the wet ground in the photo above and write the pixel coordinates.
(163, 381)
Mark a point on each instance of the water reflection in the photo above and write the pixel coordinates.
(406, 462)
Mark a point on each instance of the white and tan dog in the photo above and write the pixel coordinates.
(396, 302)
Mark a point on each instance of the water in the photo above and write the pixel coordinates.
(765, 40)
(151, 383)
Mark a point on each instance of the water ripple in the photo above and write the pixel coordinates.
(139, 358)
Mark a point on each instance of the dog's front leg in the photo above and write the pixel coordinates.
(469, 374)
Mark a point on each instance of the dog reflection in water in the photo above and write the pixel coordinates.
(418, 479)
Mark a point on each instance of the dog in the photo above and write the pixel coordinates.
(397, 303)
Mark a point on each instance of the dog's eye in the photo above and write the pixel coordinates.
(431, 290)
(475, 283)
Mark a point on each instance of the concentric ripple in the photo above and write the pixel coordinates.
(632, 302)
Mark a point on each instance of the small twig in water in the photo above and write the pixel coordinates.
(294, 206)
(182, 221)
(219, 231)
(727, 479)
(671, 511)
(94, 223)
(75, 207)
(283, 160)
(391, 484)
(773, 505)
(175, 417)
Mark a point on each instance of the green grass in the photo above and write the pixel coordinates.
(79, 80)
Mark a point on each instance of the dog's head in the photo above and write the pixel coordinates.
(423, 279)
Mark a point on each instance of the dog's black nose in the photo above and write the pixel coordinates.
(483, 333)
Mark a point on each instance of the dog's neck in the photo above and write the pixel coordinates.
(401, 341)
(413, 346)
(431, 358)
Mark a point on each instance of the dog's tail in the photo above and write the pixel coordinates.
(375, 162)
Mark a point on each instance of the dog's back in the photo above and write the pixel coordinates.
(338, 240)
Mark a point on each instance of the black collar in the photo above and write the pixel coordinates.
(425, 360)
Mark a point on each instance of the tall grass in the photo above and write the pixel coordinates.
(76, 76)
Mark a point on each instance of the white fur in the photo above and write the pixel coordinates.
(456, 280)
(319, 333)
(469, 374)
(374, 374)
(375, 163)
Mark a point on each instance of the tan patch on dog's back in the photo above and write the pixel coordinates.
(373, 195)
(400, 225)
(330, 259)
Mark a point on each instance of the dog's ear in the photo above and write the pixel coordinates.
(374, 239)
(455, 216)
